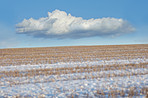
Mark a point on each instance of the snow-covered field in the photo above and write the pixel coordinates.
(93, 79)
(74, 84)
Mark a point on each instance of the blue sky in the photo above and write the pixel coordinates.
(13, 12)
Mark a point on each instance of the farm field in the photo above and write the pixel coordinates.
(75, 71)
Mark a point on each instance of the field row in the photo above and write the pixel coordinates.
(71, 70)
(70, 54)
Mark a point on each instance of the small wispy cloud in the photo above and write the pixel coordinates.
(59, 24)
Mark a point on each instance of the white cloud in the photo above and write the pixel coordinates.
(59, 24)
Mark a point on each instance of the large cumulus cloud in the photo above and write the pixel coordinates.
(59, 24)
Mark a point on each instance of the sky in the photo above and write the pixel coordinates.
(49, 23)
